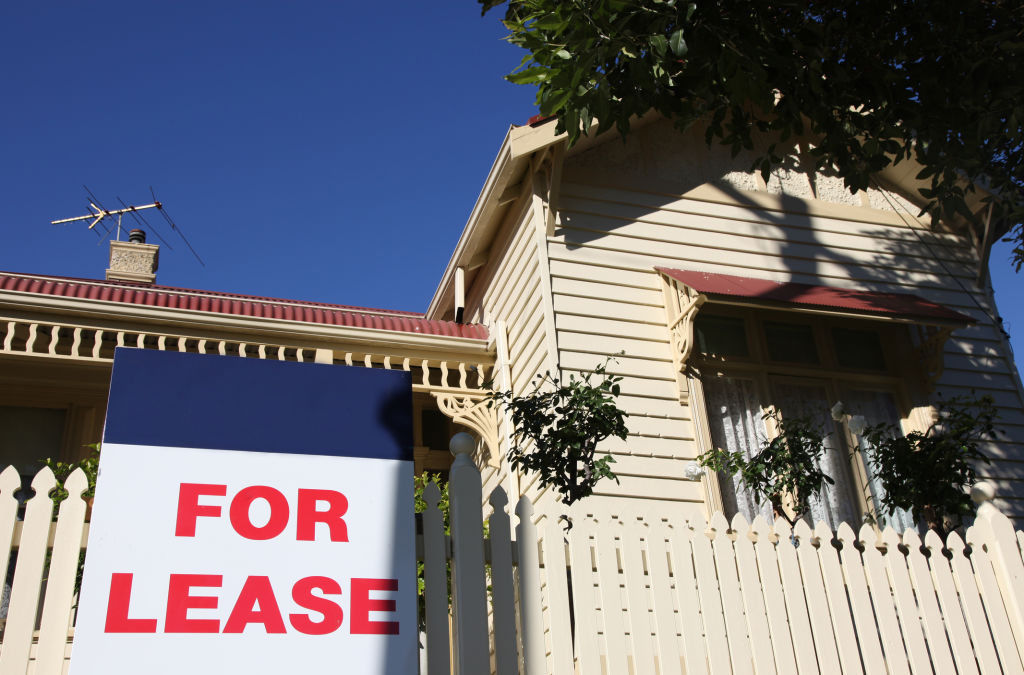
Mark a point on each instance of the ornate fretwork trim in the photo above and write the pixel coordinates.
(474, 412)
(681, 305)
(931, 343)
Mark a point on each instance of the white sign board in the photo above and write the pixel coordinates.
(213, 559)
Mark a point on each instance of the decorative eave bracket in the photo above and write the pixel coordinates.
(681, 306)
(930, 345)
(473, 411)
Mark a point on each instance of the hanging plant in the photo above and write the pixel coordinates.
(558, 427)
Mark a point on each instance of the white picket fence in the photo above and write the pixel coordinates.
(621, 595)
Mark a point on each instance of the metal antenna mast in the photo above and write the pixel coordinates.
(99, 214)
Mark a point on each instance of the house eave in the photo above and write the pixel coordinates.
(112, 313)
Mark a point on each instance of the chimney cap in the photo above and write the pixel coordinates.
(137, 236)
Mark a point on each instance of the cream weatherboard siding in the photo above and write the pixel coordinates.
(625, 208)
(510, 289)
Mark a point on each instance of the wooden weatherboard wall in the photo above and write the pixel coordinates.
(509, 295)
(662, 199)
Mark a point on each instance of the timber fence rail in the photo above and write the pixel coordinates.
(619, 595)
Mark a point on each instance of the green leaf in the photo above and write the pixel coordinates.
(678, 44)
(659, 45)
(533, 75)
(551, 23)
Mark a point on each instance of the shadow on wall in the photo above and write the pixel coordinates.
(623, 198)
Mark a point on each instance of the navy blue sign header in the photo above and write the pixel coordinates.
(173, 399)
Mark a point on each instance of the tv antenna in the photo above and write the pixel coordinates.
(99, 213)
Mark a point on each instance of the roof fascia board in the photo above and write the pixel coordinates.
(513, 158)
(288, 329)
(496, 182)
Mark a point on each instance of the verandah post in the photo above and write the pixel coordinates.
(469, 592)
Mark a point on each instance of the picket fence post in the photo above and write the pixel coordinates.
(469, 591)
(531, 609)
(506, 655)
(562, 660)
(435, 584)
(28, 576)
(10, 481)
(1006, 556)
(60, 585)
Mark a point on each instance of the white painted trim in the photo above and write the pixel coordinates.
(107, 311)
(540, 230)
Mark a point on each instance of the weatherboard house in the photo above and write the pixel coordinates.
(718, 294)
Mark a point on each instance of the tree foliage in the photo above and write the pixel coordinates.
(868, 82)
(787, 465)
(558, 427)
(931, 473)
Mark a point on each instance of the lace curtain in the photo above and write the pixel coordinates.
(734, 415)
(834, 503)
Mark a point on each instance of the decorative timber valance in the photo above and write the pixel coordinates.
(687, 291)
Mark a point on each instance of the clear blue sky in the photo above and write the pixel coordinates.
(324, 151)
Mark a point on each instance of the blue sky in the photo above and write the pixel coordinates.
(322, 151)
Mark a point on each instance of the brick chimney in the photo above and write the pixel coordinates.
(133, 260)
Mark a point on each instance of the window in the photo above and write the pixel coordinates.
(799, 348)
(747, 361)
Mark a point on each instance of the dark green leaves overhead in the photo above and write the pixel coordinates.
(868, 82)
(678, 43)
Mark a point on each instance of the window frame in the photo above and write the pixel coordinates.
(896, 345)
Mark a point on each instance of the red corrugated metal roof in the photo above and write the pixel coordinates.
(896, 305)
(239, 305)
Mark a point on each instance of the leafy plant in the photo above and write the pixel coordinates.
(862, 84)
(62, 471)
(558, 427)
(787, 465)
(931, 473)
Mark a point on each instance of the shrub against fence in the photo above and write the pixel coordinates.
(666, 597)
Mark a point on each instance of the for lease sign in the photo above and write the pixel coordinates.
(250, 516)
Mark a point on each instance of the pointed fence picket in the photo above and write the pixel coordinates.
(435, 584)
(506, 654)
(666, 597)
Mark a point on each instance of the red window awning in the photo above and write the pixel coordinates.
(750, 291)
